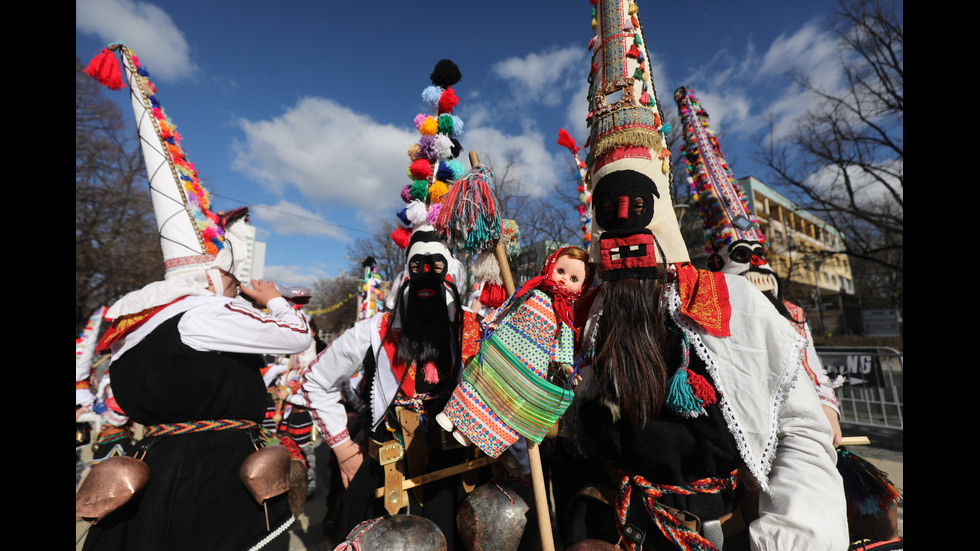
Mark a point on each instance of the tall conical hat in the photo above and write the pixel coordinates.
(627, 132)
(192, 236)
(721, 201)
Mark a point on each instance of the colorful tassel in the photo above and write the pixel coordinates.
(431, 373)
(401, 236)
(104, 68)
(471, 219)
(493, 295)
(873, 493)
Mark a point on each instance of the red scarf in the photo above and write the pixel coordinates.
(561, 299)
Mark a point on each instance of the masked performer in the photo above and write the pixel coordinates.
(186, 360)
(693, 373)
(411, 357)
(733, 240)
(518, 385)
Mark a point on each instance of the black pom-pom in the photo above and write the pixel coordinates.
(445, 74)
(456, 149)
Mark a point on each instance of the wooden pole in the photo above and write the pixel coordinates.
(533, 454)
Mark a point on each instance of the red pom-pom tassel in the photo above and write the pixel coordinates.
(105, 69)
(493, 296)
(401, 236)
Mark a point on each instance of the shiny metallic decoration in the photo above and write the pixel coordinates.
(266, 472)
(492, 518)
(110, 485)
(396, 533)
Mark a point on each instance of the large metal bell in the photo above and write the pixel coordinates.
(395, 533)
(492, 518)
(109, 485)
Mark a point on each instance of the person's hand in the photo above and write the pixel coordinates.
(349, 458)
(261, 292)
(834, 423)
(569, 369)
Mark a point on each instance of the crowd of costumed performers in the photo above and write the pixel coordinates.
(186, 360)
(96, 410)
(622, 397)
(286, 413)
(410, 357)
(737, 246)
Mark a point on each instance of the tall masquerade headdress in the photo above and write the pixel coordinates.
(192, 236)
(629, 162)
(721, 201)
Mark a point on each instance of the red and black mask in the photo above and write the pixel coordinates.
(623, 203)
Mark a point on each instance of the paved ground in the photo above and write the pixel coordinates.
(306, 534)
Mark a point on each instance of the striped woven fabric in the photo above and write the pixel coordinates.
(172, 429)
(527, 403)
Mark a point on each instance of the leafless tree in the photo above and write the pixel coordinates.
(117, 248)
(333, 294)
(847, 155)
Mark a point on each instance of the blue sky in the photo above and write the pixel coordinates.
(304, 110)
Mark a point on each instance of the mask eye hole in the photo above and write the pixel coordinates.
(639, 205)
(741, 254)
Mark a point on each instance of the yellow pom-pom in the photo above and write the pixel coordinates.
(633, 9)
(429, 127)
(437, 191)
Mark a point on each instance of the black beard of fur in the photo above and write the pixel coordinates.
(427, 331)
(629, 359)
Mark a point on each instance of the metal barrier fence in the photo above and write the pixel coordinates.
(873, 391)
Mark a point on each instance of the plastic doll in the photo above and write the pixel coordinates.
(519, 383)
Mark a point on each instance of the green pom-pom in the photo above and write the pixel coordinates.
(420, 190)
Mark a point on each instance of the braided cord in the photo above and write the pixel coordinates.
(174, 429)
(675, 531)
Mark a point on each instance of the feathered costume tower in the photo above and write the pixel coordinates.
(628, 155)
(191, 234)
(728, 222)
(196, 241)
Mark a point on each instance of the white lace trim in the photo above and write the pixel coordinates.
(273, 534)
(758, 467)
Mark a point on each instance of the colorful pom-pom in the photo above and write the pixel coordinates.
(403, 217)
(443, 146)
(446, 124)
(401, 236)
(445, 74)
(431, 95)
(420, 170)
(448, 101)
(429, 126)
(438, 191)
(407, 193)
(414, 152)
(433, 214)
(420, 190)
(416, 213)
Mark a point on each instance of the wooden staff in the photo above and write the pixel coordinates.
(533, 454)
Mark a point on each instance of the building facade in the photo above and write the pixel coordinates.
(808, 256)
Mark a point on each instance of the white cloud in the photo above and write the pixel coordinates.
(145, 28)
(544, 77)
(328, 153)
(869, 192)
(532, 165)
(294, 275)
(286, 218)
